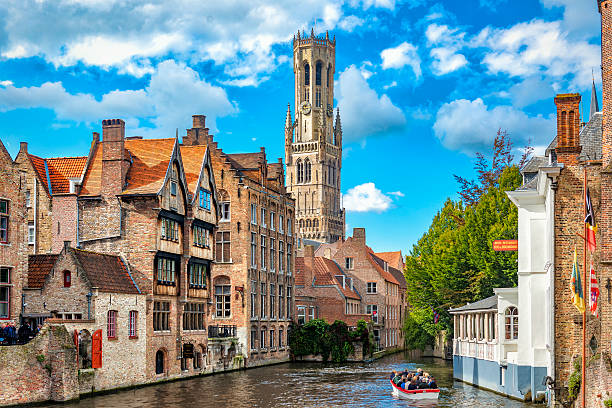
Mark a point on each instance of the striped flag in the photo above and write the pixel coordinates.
(576, 286)
(594, 293)
(436, 316)
(591, 228)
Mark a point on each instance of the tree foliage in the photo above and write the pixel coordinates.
(454, 263)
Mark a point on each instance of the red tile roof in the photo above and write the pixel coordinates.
(379, 265)
(39, 267)
(324, 273)
(106, 272)
(61, 170)
(192, 156)
(394, 259)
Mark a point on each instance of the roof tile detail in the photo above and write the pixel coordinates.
(39, 267)
(106, 272)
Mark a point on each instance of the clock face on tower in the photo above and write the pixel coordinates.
(305, 107)
(330, 110)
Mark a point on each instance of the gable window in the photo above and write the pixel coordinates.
(111, 324)
(373, 311)
(67, 279)
(263, 252)
(166, 269)
(4, 214)
(201, 237)
(132, 324)
(173, 188)
(253, 250)
(194, 316)
(511, 318)
(222, 300)
(5, 292)
(169, 229)
(30, 233)
(225, 211)
(205, 199)
(371, 288)
(222, 247)
(272, 216)
(262, 303)
(161, 316)
(349, 263)
(197, 275)
(253, 213)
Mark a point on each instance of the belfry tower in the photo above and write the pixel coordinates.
(313, 142)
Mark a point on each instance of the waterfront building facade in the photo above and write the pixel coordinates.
(253, 273)
(313, 142)
(324, 291)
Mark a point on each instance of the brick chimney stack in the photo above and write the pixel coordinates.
(359, 235)
(198, 134)
(568, 127)
(114, 159)
(23, 147)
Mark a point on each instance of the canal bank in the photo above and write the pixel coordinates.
(301, 385)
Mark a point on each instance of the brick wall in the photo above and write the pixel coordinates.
(64, 219)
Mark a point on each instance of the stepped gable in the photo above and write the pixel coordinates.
(106, 272)
(39, 267)
(58, 171)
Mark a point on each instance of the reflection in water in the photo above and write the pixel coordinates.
(303, 385)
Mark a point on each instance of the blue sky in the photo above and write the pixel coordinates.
(421, 85)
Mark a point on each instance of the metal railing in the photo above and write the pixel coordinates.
(221, 331)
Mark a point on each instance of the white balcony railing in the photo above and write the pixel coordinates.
(478, 349)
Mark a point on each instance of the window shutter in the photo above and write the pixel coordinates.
(96, 349)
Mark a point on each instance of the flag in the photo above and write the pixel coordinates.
(436, 316)
(591, 228)
(576, 286)
(594, 293)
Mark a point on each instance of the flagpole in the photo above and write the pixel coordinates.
(584, 298)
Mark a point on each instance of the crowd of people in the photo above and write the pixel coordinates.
(11, 335)
(413, 380)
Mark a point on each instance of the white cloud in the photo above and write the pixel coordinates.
(173, 93)
(400, 56)
(579, 17)
(391, 85)
(6, 83)
(471, 126)
(133, 35)
(446, 60)
(397, 193)
(364, 112)
(365, 198)
(529, 91)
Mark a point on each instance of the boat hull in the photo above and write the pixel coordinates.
(424, 394)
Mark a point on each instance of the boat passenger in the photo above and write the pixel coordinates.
(397, 380)
(413, 384)
(432, 383)
(393, 375)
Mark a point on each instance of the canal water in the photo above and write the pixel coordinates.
(303, 385)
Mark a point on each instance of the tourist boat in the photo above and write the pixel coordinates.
(424, 394)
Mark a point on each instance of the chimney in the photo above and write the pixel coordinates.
(23, 147)
(359, 235)
(308, 264)
(95, 137)
(568, 127)
(114, 163)
(198, 134)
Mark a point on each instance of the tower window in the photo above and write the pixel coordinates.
(328, 74)
(319, 67)
(306, 74)
(300, 172)
(318, 98)
(307, 171)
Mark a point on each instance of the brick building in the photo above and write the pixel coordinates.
(156, 207)
(381, 286)
(324, 291)
(94, 296)
(254, 265)
(13, 246)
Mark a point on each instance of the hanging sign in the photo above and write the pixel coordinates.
(505, 245)
(188, 350)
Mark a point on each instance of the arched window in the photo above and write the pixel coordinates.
(328, 74)
(563, 141)
(511, 317)
(307, 171)
(300, 171)
(159, 362)
(571, 128)
(301, 224)
(316, 224)
(319, 67)
(306, 74)
(308, 224)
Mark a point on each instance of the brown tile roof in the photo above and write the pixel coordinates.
(150, 159)
(379, 264)
(394, 259)
(244, 161)
(39, 267)
(324, 273)
(61, 169)
(106, 272)
(192, 156)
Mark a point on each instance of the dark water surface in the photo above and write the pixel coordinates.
(303, 385)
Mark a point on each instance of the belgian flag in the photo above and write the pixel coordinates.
(591, 228)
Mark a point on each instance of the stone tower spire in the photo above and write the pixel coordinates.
(594, 103)
(313, 151)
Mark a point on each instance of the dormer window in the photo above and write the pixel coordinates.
(74, 182)
(204, 199)
(173, 188)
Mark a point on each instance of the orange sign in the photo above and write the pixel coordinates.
(505, 245)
